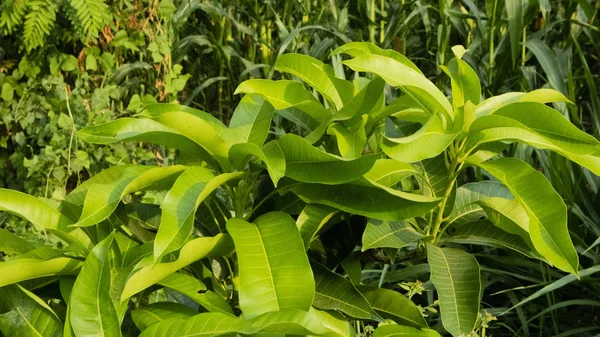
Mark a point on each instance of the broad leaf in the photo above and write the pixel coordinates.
(22, 269)
(92, 309)
(393, 305)
(546, 209)
(158, 312)
(365, 48)
(350, 139)
(306, 163)
(274, 269)
(32, 209)
(251, 120)
(456, 277)
(270, 154)
(147, 273)
(389, 234)
(180, 204)
(367, 100)
(334, 292)
(336, 323)
(312, 219)
(536, 96)
(389, 172)
(197, 291)
(12, 244)
(465, 83)
(22, 313)
(393, 330)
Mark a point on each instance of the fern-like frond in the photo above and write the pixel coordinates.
(38, 22)
(92, 15)
(11, 15)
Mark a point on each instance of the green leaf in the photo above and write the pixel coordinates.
(306, 163)
(411, 82)
(456, 277)
(336, 323)
(367, 99)
(273, 266)
(365, 48)
(427, 142)
(143, 130)
(92, 309)
(22, 269)
(483, 232)
(180, 204)
(350, 139)
(270, 154)
(24, 314)
(318, 75)
(197, 291)
(334, 292)
(389, 172)
(545, 207)
(464, 80)
(13, 244)
(251, 120)
(147, 273)
(393, 305)
(393, 330)
(102, 199)
(514, 11)
(159, 312)
(32, 209)
(367, 199)
(288, 321)
(543, 96)
(312, 219)
(392, 234)
(549, 63)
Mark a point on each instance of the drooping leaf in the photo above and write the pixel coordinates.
(197, 291)
(393, 305)
(22, 269)
(546, 209)
(147, 273)
(456, 277)
(334, 292)
(270, 154)
(465, 83)
(274, 269)
(22, 313)
(336, 323)
(364, 48)
(12, 244)
(158, 312)
(389, 234)
(180, 204)
(393, 330)
(92, 309)
(536, 96)
(364, 102)
(251, 120)
(350, 139)
(389, 172)
(312, 219)
(32, 209)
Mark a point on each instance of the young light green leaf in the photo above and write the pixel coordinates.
(543, 96)
(336, 323)
(465, 83)
(393, 305)
(306, 163)
(318, 75)
(25, 314)
(92, 310)
(393, 330)
(270, 154)
(367, 100)
(101, 200)
(457, 279)
(197, 291)
(12, 244)
(274, 269)
(350, 139)
(32, 209)
(389, 172)
(392, 234)
(334, 292)
(160, 311)
(22, 269)
(312, 219)
(546, 209)
(180, 204)
(365, 48)
(251, 120)
(147, 273)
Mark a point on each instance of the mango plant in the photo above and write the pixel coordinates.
(261, 232)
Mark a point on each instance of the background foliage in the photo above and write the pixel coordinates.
(68, 64)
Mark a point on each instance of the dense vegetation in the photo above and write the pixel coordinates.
(445, 183)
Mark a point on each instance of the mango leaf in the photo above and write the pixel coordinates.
(197, 291)
(306, 163)
(273, 266)
(160, 311)
(411, 82)
(393, 330)
(32, 209)
(22, 269)
(334, 292)
(180, 204)
(389, 234)
(483, 232)
(350, 139)
(464, 80)
(312, 219)
(546, 209)
(270, 154)
(456, 277)
(22, 313)
(102, 199)
(12, 244)
(367, 199)
(336, 323)
(251, 120)
(543, 96)
(389, 172)
(92, 309)
(427, 142)
(288, 321)
(143, 130)
(147, 273)
(393, 305)
(318, 75)
(367, 100)
(365, 48)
